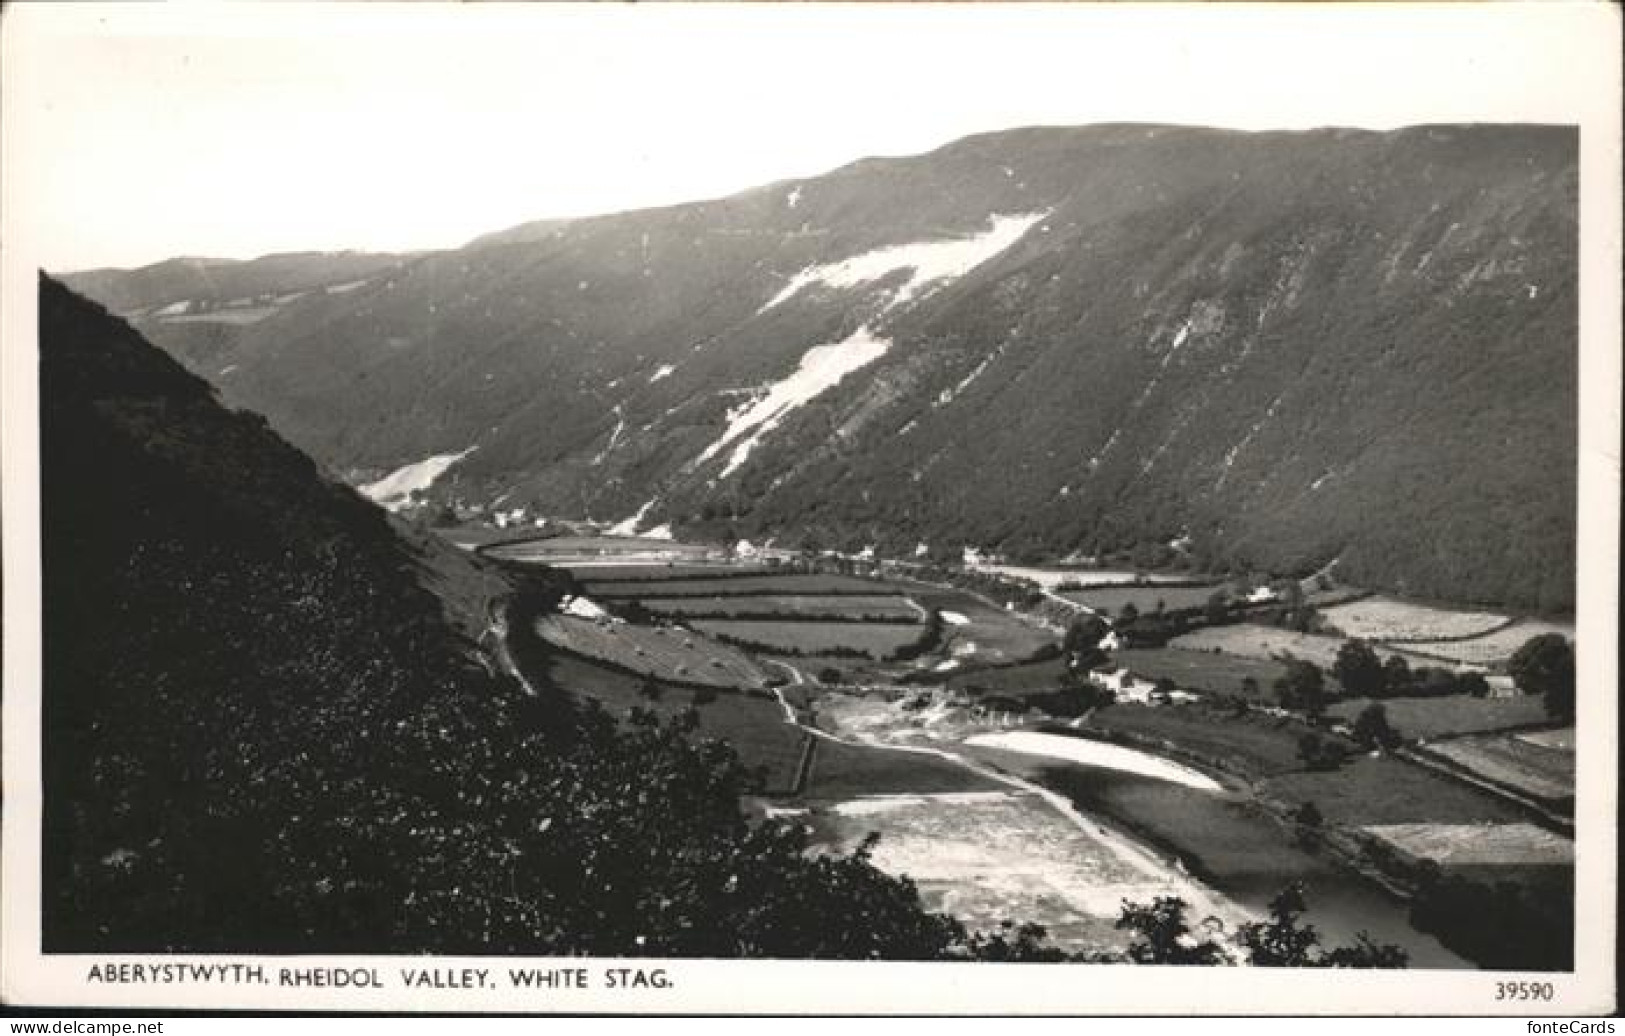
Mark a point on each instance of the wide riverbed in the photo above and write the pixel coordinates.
(1221, 837)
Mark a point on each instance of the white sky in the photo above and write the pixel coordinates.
(235, 130)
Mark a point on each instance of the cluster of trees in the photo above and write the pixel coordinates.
(1080, 645)
(1319, 750)
(1163, 935)
(1073, 698)
(1302, 686)
(1500, 925)
(928, 641)
(1365, 674)
(1155, 628)
(1544, 665)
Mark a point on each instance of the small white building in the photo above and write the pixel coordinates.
(1129, 689)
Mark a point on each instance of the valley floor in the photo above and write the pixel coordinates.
(1006, 849)
(945, 740)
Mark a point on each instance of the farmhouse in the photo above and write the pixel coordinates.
(1124, 684)
(1134, 690)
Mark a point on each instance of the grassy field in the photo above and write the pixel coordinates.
(598, 571)
(731, 584)
(998, 635)
(841, 771)
(1252, 745)
(1245, 640)
(1492, 649)
(1011, 679)
(1534, 769)
(1455, 714)
(1144, 598)
(753, 725)
(1383, 790)
(654, 651)
(768, 606)
(877, 640)
(1390, 619)
(1205, 671)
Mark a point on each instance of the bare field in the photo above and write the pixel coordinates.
(663, 653)
(991, 857)
(1492, 649)
(877, 640)
(769, 606)
(1390, 619)
(1456, 714)
(1246, 640)
(1478, 845)
(1545, 773)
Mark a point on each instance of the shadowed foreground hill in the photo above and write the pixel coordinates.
(262, 734)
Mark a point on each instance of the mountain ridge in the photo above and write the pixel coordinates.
(1287, 347)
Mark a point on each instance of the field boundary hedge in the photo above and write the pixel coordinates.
(867, 619)
(617, 593)
(549, 647)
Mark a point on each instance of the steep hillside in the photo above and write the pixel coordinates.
(1289, 347)
(260, 733)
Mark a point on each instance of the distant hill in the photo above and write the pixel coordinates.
(267, 726)
(1277, 349)
(212, 285)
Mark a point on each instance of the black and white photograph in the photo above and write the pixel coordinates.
(711, 507)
